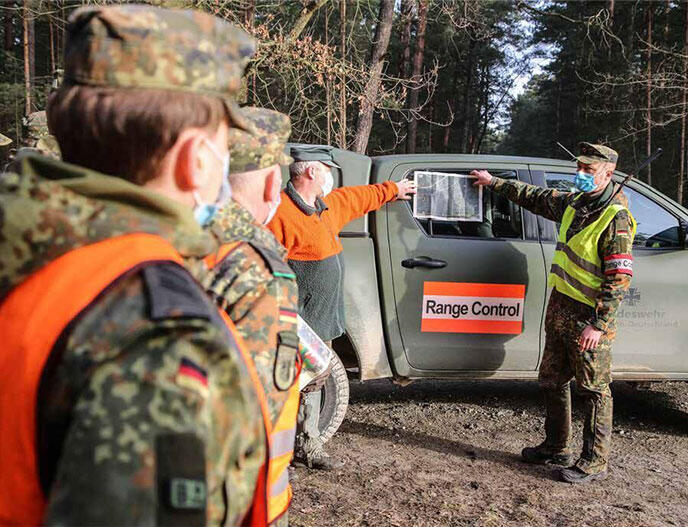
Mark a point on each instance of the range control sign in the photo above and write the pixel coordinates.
(462, 307)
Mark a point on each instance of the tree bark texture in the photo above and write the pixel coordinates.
(648, 92)
(8, 30)
(418, 57)
(371, 91)
(305, 17)
(342, 81)
(407, 19)
(466, 103)
(28, 58)
(683, 171)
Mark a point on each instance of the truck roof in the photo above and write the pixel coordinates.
(483, 158)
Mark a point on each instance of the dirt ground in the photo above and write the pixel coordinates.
(446, 453)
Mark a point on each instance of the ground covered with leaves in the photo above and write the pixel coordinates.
(447, 453)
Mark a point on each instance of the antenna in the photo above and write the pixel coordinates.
(566, 150)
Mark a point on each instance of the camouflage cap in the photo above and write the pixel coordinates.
(4, 140)
(591, 154)
(140, 46)
(264, 145)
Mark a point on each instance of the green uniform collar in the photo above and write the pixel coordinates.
(189, 239)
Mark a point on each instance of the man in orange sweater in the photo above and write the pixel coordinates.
(307, 223)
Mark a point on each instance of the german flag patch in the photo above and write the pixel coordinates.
(287, 316)
(191, 376)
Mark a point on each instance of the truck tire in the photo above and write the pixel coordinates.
(334, 400)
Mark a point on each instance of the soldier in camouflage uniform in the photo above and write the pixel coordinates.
(253, 282)
(145, 412)
(37, 137)
(580, 324)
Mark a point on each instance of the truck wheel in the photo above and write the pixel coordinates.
(334, 400)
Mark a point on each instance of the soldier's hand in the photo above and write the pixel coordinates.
(407, 187)
(484, 177)
(590, 338)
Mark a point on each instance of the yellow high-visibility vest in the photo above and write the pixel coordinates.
(577, 267)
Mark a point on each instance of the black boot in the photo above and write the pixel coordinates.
(541, 455)
(577, 476)
(313, 456)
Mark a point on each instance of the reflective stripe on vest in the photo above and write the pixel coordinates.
(281, 433)
(577, 267)
(32, 317)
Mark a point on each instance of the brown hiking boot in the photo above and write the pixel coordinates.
(540, 456)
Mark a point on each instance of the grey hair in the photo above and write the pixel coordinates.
(298, 168)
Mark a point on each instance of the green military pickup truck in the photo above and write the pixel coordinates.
(466, 300)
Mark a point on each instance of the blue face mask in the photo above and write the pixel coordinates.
(204, 212)
(584, 182)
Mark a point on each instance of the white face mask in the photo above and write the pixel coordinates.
(204, 212)
(273, 209)
(328, 184)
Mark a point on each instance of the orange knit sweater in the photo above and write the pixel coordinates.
(315, 237)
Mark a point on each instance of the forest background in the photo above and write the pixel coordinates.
(461, 76)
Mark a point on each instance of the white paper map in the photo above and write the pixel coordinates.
(444, 196)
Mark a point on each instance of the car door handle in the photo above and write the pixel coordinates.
(423, 261)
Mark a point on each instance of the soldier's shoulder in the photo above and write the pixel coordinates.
(264, 259)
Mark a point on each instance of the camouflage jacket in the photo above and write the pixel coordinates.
(257, 289)
(115, 414)
(616, 239)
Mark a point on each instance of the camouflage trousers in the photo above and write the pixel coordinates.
(563, 361)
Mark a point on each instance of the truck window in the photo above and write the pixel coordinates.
(501, 218)
(657, 228)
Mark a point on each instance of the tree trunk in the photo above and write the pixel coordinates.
(372, 88)
(328, 96)
(648, 92)
(465, 114)
(452, 102)
(342, 80)
(417, 71)
(8, 30)
(28, 57)
(305, 17)
(249, 21)
(51, 44)
(407, 19)
(683, 172)
(610, 8)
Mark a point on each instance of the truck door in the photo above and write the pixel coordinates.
(469, 296)
(651, 320)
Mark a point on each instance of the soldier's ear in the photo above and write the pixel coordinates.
(273, 184)
(189, 171)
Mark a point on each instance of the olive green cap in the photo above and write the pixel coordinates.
(264, 145)
(146, 47)
(591, 154)
(320, 153)
(4, 140)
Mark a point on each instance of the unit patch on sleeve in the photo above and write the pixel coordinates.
(458, 307)
(618, 263)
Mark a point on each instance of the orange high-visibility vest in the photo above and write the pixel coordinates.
(281, 432)
(32, 317)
